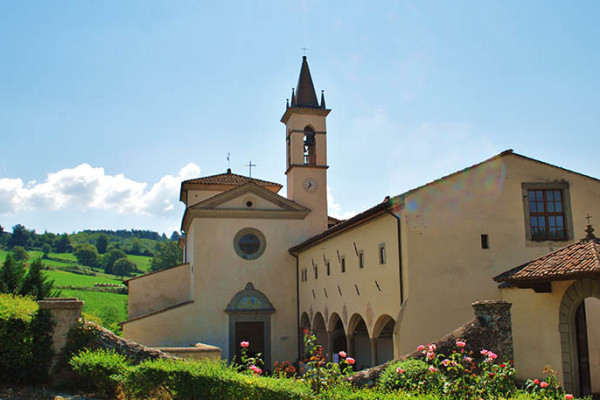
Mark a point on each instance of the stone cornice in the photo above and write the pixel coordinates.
(303, 110)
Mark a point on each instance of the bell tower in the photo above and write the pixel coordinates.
(306, 149)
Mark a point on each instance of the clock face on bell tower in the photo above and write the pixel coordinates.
(310, 184)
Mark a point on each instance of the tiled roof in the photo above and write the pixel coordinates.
(229, 179)
(577, 260)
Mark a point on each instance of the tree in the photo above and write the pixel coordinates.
(123, 267)
(36, 284)
(46, 249)
(63, 244)
(167, 255)
(20, 254)
(86, 255)
(102, 244)
(110, 258)
(20, 237)
(11, 276)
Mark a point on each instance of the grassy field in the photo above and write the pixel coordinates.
(143, 262)
(111, 307)
(64, 278)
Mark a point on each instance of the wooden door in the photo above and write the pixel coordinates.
(585, 384)
(252, 332)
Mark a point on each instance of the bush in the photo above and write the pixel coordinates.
(207, 380)
(25, 341)
(414, 371)
(102, 370)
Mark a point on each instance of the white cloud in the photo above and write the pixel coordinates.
(89, 188)
(335, 209)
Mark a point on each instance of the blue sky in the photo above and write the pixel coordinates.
(105, 106)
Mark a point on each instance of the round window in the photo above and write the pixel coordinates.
(249, 243)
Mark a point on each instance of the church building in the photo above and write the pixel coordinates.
(260, 266)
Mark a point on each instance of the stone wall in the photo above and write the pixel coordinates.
(490, 330)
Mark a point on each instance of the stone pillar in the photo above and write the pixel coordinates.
(374, 354)
(350, 345)
(495, 314)
(64, 312)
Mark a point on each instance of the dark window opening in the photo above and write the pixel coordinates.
(382, 254)
(249, 204)
(343, 264)
(316, 272)
(361, 259)
(357, 292)
(328, 268)
(484, 242)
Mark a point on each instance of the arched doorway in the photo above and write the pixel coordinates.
(318, 328)
(304, 324)
(337, 337)
(359, 344)
(250, 320)
(579, 324)
(383, 339)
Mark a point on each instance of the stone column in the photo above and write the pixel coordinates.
(495, 315)
(64, 312)
(374, 354)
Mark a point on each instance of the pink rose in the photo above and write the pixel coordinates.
(432, 369)
(342, 354)
(460, 343)
(491, 355)
(399, 370)
(255, 369)
(483, 352)
(421, 348)
(468, 359)
(446, 362)
(544, 384)
(536, 381)
(431, 347)
(244, 344)
(568, 397)
(430, 356)
(350, 360)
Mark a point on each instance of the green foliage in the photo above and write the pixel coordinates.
(20, 237)
(413, 373)
(110, 307)
(25, 340)
(36, 284)
(210, 380)
(11, 276)
(63, 244)
(123, 267)
(109, 259)
(548, 388)
(168, 255)
(102, 243)
(102, 369)
(86, 255)
(46, 249)
(20, 254)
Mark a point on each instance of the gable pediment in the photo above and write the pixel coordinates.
(246, 201)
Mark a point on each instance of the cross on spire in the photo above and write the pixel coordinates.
(304, 50)
(588, 217)
(250, 165)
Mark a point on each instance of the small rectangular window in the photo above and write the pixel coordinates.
(361, 259)
(382, 253)
(328, 268)
(343, 264)
(484, 242)
(316, 271)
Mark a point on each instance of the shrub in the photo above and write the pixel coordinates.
(25, 340)
(414, 371)
(210, 380)
(102, 369)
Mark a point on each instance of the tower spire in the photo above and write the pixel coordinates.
(305, 90)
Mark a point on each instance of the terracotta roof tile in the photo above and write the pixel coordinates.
(570, 262)
(229, 179)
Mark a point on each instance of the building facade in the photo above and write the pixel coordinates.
(261, 267)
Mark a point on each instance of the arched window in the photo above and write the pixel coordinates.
(310, 155)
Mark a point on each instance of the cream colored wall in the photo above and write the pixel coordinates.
(159, 290)
(258, 203)
(196, 196)
(446, 267)
(592, 309)
(371, 303)
(536, 338)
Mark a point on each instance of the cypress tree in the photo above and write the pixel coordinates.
(35, 283)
